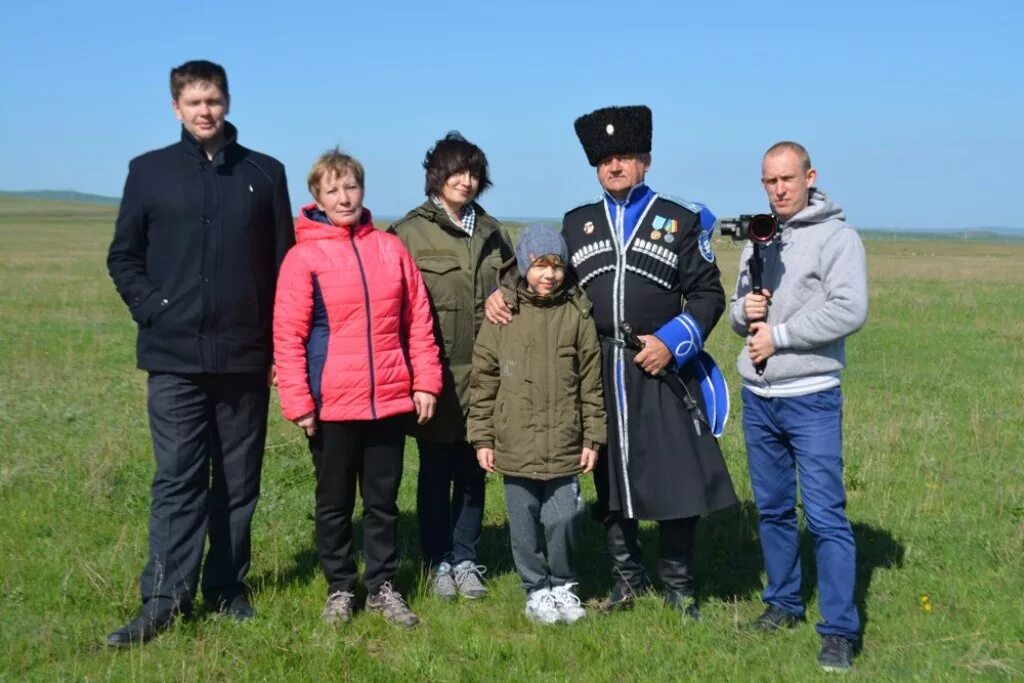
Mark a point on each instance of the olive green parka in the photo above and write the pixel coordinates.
(536, 391)
(460, 273)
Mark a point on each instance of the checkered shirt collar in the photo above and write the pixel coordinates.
(467, 215)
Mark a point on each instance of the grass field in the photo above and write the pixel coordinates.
(935, 471)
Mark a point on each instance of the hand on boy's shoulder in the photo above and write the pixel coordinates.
(496, 309)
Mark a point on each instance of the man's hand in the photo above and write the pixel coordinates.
(308, 423)
(272, 376)
(496, 310)
(654, 357)
(424, 404)
(755, 306)
(588, 458)
(759, 343)
(485, 456)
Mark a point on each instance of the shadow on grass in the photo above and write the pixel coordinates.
(876, 549)
(727, 557)
(305, 565)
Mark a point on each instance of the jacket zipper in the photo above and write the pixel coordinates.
(369, 324)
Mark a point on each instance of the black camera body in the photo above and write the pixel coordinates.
(759, 228)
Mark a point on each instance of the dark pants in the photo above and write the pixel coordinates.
(675, 552)
(208, 435)
(370, 453)
(802, 437)
(449, 501)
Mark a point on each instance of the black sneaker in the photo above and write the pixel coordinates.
(775, 619)
(836, 654)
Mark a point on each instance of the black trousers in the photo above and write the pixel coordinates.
(676, 539)
(370, 453)
(675, 553)
(208, 434)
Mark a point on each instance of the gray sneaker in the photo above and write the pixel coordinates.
(391, 606)
(469, 579)
(442, 582)
(338, 609)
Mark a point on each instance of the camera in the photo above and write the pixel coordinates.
(760, 228)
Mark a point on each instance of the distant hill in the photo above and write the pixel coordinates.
(64, 196)
(980, 234)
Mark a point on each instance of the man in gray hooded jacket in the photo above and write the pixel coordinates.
(814, 295)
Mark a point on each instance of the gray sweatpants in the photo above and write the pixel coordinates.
(544, 515)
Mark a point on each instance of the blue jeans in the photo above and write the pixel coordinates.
(805, 432)
(449, 501)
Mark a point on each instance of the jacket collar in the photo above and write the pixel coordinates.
(637, 193)
(194, 149)
(517, 295)
(436, 214)
(313, 224)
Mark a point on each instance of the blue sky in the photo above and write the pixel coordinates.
(913, 112)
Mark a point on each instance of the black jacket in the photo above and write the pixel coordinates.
(195, 255)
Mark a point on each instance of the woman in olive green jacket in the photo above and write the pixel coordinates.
(459, 249)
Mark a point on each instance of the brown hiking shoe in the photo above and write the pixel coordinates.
(391, 605)
(338, 609)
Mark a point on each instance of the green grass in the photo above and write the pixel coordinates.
(934, 451)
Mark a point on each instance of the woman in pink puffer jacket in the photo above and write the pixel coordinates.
(355, 355)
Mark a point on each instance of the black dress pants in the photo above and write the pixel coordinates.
(370, 453)
(208, 432)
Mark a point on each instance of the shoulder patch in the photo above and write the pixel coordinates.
(704, 244)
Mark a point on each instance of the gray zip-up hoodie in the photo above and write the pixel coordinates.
(816, 273)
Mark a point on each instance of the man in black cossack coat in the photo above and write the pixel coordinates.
(645, 259)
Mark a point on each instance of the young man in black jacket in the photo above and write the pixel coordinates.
(202, 228)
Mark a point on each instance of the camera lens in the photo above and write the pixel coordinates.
(762, 228)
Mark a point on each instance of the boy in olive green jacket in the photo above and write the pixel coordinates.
(537, 417)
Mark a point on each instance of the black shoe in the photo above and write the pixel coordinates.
(683, 602)
(142, 629)
(238, 608)
(836, 654)
(775, 619)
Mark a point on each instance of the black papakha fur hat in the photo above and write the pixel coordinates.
(615, 130)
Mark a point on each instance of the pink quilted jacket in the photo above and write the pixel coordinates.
(353, 330)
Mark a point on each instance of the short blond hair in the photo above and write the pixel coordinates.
(796, 148)
(334, 162)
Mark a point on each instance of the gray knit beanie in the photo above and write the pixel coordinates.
(536, 240)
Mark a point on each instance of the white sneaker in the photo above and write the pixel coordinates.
(570, 610)
(541, 607)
